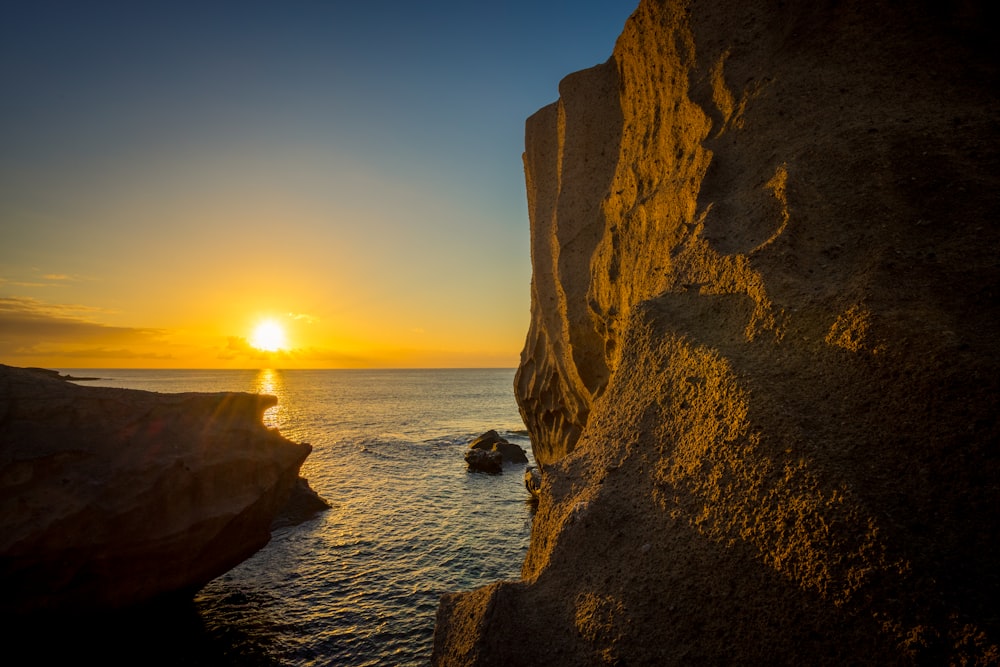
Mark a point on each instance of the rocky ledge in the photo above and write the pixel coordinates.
(762, 373)
(114, 497)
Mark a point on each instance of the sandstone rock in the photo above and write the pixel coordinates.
(763, 366)
(492, 441)
(483, 460)
(533, 480)
(112, 497)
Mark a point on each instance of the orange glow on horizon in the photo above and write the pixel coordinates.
(229, 328)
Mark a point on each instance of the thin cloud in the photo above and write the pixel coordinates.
(322, 355)
(102, 353)
(43, 280)
(23, 283)
(237, 347)
(32, 322)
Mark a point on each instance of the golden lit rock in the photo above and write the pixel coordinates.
(762, 374)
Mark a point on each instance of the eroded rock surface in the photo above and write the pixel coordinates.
(763, 369)
(112, 497)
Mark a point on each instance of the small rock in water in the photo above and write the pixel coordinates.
(492, 441)
(481, 460)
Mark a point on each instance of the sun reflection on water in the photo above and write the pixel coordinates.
(271, 382)
(359, 584)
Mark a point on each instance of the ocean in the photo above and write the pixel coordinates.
(359, 584)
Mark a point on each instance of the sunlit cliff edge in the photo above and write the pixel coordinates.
(762, 369)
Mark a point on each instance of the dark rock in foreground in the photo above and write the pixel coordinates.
(114, 497)
(303, 504)
(492, 441)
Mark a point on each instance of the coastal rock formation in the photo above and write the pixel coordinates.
(112, 497)
(493, 441)
(533, 480)
(763, 366)
(303, 504)
(484, 460)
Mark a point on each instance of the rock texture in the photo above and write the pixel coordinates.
(113, 497)
(484, 460)
(491, 441)
(533, 481)
(763, 363)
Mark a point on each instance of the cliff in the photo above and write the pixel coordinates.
(114, 497)
(761, 374)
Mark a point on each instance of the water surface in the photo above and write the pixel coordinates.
(359, 584)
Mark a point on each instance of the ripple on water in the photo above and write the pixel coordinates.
(396, 540)
(360, 583)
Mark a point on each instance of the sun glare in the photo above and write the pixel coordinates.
(268, 336)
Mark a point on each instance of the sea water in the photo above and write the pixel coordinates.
(358, 584)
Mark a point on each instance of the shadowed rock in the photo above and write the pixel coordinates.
(484, 460)
(492, 441)
(303, 504)
(113, 497)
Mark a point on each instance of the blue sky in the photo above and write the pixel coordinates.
(181, 170)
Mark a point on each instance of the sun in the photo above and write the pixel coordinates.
(268, 336)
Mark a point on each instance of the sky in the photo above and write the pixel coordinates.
(175, 174)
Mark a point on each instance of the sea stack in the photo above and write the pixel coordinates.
(113, 497)
(763, 366)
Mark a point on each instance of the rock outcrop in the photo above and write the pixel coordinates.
(484, 460)
(491, 441)
(114, 497)
(303, 504)
(763, 367)
(533, 481)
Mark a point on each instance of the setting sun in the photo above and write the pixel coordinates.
(268, 336)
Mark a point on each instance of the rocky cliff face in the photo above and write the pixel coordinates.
(111, 497)
(762, 368)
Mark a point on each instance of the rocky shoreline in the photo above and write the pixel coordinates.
(112, 498)
(761, 374)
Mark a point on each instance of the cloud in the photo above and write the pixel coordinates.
(100, 353)
(238, 347)
(30, 325)
(31, 307)
(22, 283)
(302, 317)
(44, 280)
